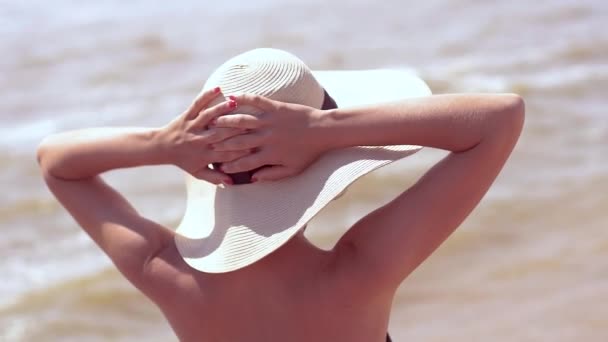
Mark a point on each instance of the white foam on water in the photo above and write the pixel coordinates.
(15, 331)
(473, 75)
(24, 136)
(62, 259)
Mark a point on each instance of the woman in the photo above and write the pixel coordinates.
(239, 267)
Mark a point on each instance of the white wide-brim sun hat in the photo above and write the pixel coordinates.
(228, 228)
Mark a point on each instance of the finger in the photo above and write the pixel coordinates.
(211, 113)
(240, 142)
(212, 176)
(243, 121)
(201, 102)
(260, 102)
(246, 163)
(223, 157)
(216, 135)
(273, 173)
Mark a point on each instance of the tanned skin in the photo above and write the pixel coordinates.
(299, 292)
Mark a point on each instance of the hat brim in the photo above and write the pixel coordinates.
(227, 228)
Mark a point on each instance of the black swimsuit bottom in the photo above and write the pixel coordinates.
(388, 338)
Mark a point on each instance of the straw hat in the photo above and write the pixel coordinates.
(227, 228)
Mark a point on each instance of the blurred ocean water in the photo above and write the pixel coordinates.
(528, 264)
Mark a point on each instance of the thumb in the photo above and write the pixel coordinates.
(273, 173)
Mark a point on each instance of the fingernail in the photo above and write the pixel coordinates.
(253, 179)
(232, 97)
(228, 182)
(216, 90)
(232, 104)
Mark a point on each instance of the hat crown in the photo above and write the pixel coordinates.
(272, 73)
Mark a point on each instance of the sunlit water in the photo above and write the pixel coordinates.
(530, 264)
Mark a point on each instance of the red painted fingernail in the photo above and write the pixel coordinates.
(253, 179)
(228, 182)
(232, 104)
(232, 97)
(216, 90)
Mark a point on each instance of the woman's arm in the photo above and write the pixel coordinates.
(450, 122)
(71, 163)
(184, 142)
(88, 152)
(479, 130)
(386, 245)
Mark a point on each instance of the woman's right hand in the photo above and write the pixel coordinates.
(186, 140)
(282, 138)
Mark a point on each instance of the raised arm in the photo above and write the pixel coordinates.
(388, 244)
(71, 163)
(479, 130)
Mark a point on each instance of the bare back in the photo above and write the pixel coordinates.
(294, 294)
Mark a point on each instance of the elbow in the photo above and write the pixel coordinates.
(505, 120)
(42, 151)
(44, 155)
(512, 114)
(516, 108)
